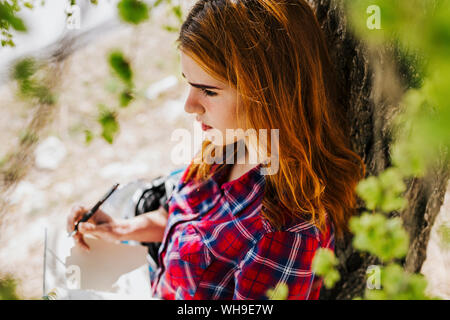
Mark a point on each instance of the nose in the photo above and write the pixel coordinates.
(192, 104)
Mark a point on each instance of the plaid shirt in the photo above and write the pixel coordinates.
(216, 244)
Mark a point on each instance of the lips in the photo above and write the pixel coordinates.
(205, 127)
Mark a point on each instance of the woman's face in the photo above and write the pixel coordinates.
(213, 101)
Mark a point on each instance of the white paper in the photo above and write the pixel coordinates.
(108, 271)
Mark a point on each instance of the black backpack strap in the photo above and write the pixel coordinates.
(152, 198)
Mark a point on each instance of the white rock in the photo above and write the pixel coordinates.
(28, 197)
(49, 153)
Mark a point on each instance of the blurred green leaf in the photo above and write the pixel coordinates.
(8, 288)
(109, 123)
(383, 192)
(398, 284)
(24, 69)
(30, 85)
(370, 191)
(28, 5)
(280, 292)
(89, 136)
(384, 237)
(323, 264)
(443, 232)
(170, 28)
(121, 66)
(8, 17)
(133, 11)
(157, 3)
(44, 95)
(393, 187)
(177, 12)
(126, 97)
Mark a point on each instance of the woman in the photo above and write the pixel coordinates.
(232, 232)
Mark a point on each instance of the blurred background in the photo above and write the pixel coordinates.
(89, 139)
(72, 162)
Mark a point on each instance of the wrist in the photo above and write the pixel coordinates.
(123, 228)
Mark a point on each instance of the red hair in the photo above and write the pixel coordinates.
(275, 55)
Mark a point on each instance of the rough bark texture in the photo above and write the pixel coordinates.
(372, 103)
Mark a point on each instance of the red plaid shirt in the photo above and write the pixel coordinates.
(217, 245)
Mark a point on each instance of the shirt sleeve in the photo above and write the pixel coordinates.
(284, 257)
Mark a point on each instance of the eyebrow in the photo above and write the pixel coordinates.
(201, 86)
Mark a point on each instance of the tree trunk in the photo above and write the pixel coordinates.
(374, 84)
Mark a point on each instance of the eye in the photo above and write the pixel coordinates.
(208, 93)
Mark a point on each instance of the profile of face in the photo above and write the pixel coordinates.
(212, 101)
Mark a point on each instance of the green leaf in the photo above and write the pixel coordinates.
(384, 237)
(8, 17)
(121, 66)
(108, 121)
(393, 187)
(331, 278)
(157, 3)
(8, 288)
(178, 12)
(44, 95)
(383, 192)
(126, 97)
(170, 28)
(89, 136)
(443, 232)
(370, 191)
(133, 11)
(280, 292)
(24, 69)
(323, 264)
(397, 284)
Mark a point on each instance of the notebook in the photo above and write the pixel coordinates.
(108, 271)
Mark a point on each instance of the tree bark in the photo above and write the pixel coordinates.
(374, 83)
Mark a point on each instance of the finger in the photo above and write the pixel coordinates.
(97, 230)
(76, 213)
(79, 240)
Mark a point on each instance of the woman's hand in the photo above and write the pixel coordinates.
(100, 225)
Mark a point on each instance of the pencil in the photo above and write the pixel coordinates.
(94, 209)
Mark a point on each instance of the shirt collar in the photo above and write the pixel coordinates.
(244, 190)
(239, 192)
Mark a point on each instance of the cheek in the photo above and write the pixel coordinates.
(231, 119)
(230, 116)
(222, 115)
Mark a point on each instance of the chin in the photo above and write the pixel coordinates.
(219, 138)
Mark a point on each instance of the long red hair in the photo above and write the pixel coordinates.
(275, 55)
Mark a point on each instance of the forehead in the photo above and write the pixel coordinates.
(195, 73)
